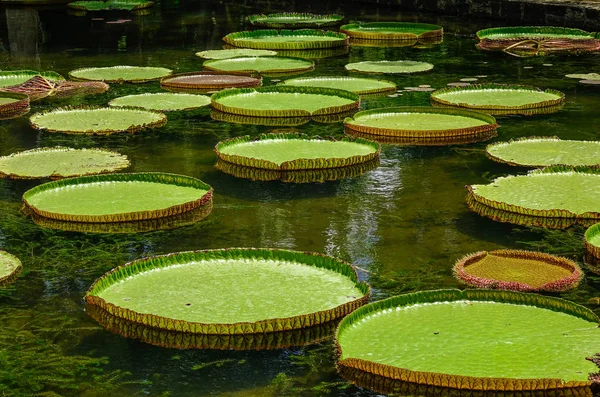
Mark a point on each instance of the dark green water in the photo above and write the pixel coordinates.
(405, 223)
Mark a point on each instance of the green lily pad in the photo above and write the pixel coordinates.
(129, 5)
(545, 151)
(60, 162)
(99, 121)
(584, 76)
(10, 267)
(16, 77)
(162, 101)
(282, 101)
(291, 20)
(533, 32)
(13, 105)
(392, 31)
(473, 340)
(356, 85)
(592, 240)
(300, 39)
(389, 67)
(233, 53)
(208, 81)
(295, 152)
(232, 291)
(261, 65)
(117, 197)
(120, 74)
(515, 270)
(39, 87)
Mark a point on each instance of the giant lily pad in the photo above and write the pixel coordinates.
(99, 5)
(60, 162)
(10, 267)
(16, 77)
(510, 99)
(232, 291)
(120, 74)
(282, 101)
(473, 340)
(592, 240)
(235, 52)
(389, 67)
(13, 104)
(300, 39)
(292, 20)
(117, 197)
(417, 140)
(208, 81)
(261, 65)
(393, 31)
(39, 87)
(99, 121)
(515, 270)
(162, 101)
(295, 152)
(356, 85)
(545, 151)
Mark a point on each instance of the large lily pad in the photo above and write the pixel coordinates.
(117, 197)
(545, 151)
(232, 291)
(10, 267)
(120, 74)
(473, 340)
(592, 240)
(292, 20)
(16, 77)
(282, 101)
(393, 31)
(261, 65)
(235, 52)
(13, 104)
(515, 270)
(60, 162)
(417, 140)
(162, 101)
(300, 39)
(39, 87)
(98, 121)
(389, 67)
(295, 152)
(208, 81)
(93, 5)
(356, 85)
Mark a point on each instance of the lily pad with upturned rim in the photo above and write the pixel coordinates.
(515, 270)
(208, 81)
(389, 67)
(234, 53)
(60, 162)
(392, 31)
(13, 104)
(39, 87)
(446, 337)
(357, 85)
(98, 121)
(231, 291)
(299, 39)
(117, 197)
(260, 65)
(120, 74)
(292, 20)
(11, 78)
(423, 141)
(162, 101)
(10, 267)
(592, 240)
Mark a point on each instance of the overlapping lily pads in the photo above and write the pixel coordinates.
(120, 74)
(117, 197)
(13, 104)
(292, 20)
(39, 87)
(260, 65)
(232, 291)
(446, 338)
(299, 39)
(389, 67)
(361, 86)
(99, 5)
(235, 52)
(208, 81)
(499, 99)
(10, 267)
(162, 101)
(16, 77)
(515, 270)
(545, 151)
(97, 121)
(60, 162)
(393, 31)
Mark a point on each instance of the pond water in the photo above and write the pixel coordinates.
(404, 224)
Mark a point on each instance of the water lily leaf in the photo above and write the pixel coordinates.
(120, 74)
(16, 77)
(393, 31)
(129, 5)
(208, 81)
(584, 76)
(260, 65)
(13, 104)
(39, 87)
(237, 52)
(163, 101)
(230, 291)
(292, 20)
(417, 140)
(300, 39)
(389, 67)
(357, 85)
(10, 267)
(592, 240)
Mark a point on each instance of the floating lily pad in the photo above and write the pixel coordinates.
(393, 31)
(292, 20)
(39, 87)
(60, 162)
(592, 240)
(389, 67)
(16, 77)
(473, 340)
(545, 151)
(282, 101)
(98, 121)
(120, 74)
(513, 99)
(261, 65)
(515, 270)
(356, 85)
(10, 267)
(128, 5)
(315, 54)
(233, 53)
(295, 152)
(423, 140)
(13, 105)
(163, 101)
(208, 81)
(232, 291)
(584, 76)
(300, 39)
(117, 197)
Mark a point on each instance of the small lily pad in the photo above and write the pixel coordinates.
(162, 101)
(389, 67)
(393, 31)
(120, 74)
(357, 85)
(233, 53)
(260, 65)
